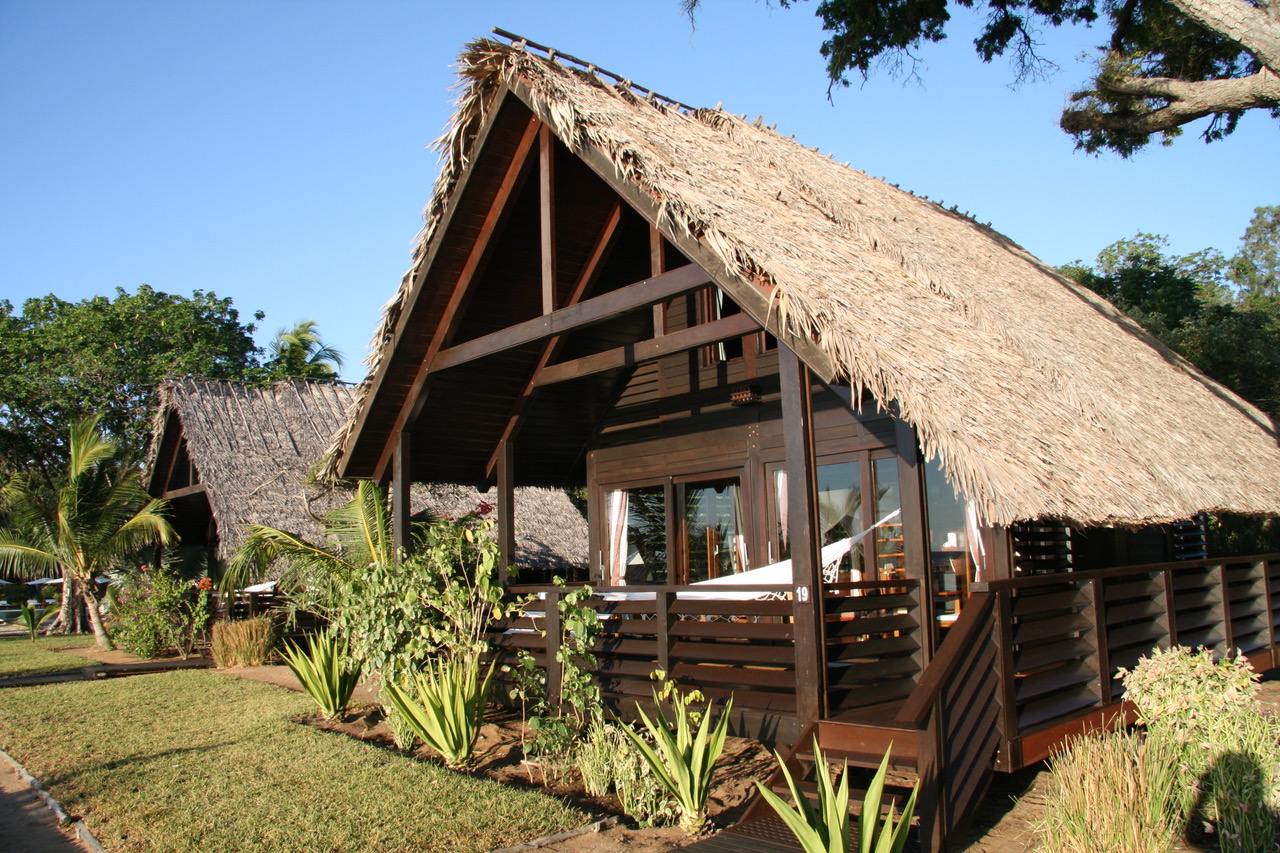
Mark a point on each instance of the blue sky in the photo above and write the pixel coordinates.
(276, 151)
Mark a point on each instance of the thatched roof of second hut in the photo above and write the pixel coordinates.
(255, 447)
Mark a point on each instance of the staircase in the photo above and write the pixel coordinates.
(944, 736)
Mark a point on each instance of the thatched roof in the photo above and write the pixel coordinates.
(1040, 398)
(255, 448)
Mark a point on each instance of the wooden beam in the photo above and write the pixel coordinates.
(586, 313)
(751, 297)
(657, 266)
(506, 510)
(423, 261)
(915, 527)
(735, 325)
(401, 489)
(512, 180)
(803, 531)
(547, 216)
(600, 251)
(194, 489)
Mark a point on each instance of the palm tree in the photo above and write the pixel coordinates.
(299, 352)
(95, 515)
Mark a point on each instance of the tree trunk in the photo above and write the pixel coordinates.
(71, 618)
(95, 617)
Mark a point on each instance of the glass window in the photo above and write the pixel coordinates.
(638, 535)
(839, 511)
(889, 553)
(713, 546)
(950, 561)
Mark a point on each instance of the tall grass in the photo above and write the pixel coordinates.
(243, 642)
(1115, 793)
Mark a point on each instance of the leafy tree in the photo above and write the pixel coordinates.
(1255, 270)
(299, 353)
(1231, 334)
(97, 514)
(1166, 62)
(62, 361)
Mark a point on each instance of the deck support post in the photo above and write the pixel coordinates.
(806, 561)
(401, 489)
(506, 511)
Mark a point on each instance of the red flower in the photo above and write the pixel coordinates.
(484, 508)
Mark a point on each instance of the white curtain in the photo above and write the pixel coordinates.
(618, 511)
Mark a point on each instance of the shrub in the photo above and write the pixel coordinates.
(325, 671)
(243, 642)
(157, 611)
(1114, 793)
(444, 704)
(1207, 712)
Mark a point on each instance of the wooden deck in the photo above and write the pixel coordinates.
(1030, 663)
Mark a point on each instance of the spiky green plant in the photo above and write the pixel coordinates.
(31, 617)
(444, 705)
(324, 671)
(890, 834)
(683, 761)
(826, 828)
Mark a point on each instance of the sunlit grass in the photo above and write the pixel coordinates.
(21, 656)
(198, 761)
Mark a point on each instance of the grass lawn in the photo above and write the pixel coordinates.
(198, 761)
(20, 656)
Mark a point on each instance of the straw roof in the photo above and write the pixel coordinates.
(1041, 399)
(255, 448)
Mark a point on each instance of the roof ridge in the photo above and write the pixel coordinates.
(519, 41)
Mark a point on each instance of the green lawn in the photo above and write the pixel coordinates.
(20, 656)
(199, 761)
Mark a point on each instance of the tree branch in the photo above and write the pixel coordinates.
(1255, 28)
(1188, 101)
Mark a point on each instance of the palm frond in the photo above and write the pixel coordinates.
(21, 559)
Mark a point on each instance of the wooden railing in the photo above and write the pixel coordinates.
(875, 644)
(955, 708)
(1062, 638)
(739, 647)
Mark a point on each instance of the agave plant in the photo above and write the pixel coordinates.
(324, 671)
(449, 705)
(825, 829)
(683, 761)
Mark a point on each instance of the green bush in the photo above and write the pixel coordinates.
(243, 642)
(156, 611)
(1206, 711)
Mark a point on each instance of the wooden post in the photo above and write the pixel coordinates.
(401, 487)
(1228, 630)
(657, 266)
(547, 208)
(506, 511)
(1098, 615)
(1011, 748)
(662, 605)
(1270, 610)
(1170, 606)
(915, 530)
(806, 561)
(555, 678)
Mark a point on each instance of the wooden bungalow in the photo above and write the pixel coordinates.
(227, 454)
(952, 486)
